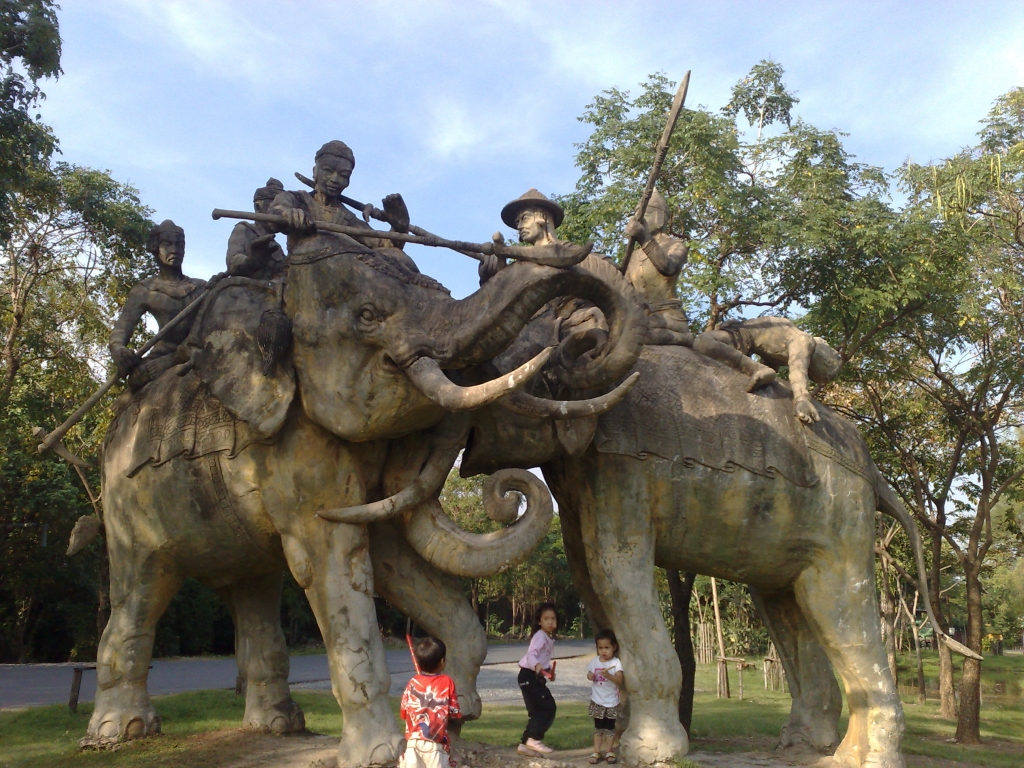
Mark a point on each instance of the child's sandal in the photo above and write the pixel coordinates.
(595, 758)
(611, 758)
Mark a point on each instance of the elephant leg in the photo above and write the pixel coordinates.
(618, 535)
(436, 602)
(331, 561)
(837, 595)
(141, 586)
(262, 654)
(572, 540)
(817, 701)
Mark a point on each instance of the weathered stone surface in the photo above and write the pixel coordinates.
(218, 468)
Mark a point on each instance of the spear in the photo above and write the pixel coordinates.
(557, 255)
(659, 157)
(54, 437)
(370, 212)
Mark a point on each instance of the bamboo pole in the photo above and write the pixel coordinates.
(723, 669)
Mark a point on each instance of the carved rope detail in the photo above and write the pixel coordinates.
(826, 450)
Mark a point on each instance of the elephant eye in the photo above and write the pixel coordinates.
(369, 315)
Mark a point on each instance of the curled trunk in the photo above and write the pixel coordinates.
(442, 543)
(459, 334)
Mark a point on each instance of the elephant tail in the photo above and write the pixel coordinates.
(891, 504)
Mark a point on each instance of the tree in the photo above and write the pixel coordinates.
(971, 351)
(29, 51)
(74, 250)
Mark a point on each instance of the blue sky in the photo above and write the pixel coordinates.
(462, 106)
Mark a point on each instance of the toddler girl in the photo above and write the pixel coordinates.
(535, 669)
(605, 671)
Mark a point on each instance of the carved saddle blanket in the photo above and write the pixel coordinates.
(690, 409)
(177, 416)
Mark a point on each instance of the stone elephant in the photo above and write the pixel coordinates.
(295, 400)
(693, 473)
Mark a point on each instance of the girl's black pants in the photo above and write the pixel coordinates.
(540, 704)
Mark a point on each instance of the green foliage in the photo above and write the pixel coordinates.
(29, 51)
(506, 602)
(74, 250)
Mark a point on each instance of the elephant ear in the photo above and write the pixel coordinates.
(239, 346)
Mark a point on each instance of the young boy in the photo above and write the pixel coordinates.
(428, 703)
(778, 342)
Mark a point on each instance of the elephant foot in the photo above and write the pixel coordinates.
(822, 740)
(283, 716)
(470, 705)
(354, 751)
(650, 740)
(121, 713)
(851, 758)
(367, 745)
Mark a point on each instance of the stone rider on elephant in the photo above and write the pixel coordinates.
(163, 296)
(332, 171)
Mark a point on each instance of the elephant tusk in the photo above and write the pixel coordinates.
(429, 480)
(542, 408)
(427, 375)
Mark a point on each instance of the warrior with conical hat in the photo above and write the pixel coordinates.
(653, 272)
(163, 296)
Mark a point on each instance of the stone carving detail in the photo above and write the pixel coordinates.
(303, 391)
(163, 296)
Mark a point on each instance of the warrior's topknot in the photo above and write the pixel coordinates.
(270, 191)
(165, 227)
(338, 149)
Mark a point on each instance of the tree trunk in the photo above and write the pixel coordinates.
(888, 609)
(947, 697)
(969, 721)
(24, 612)
(103, 609)
(681, 592)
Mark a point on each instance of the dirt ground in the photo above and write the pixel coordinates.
(241, 749)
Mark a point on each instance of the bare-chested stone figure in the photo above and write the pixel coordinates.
(653, 271)
(163, 296)
(778, 342)
(332, 171)
(252, 249)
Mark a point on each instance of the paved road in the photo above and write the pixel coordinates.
(26, 685)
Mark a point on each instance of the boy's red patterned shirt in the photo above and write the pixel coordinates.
(428, 703)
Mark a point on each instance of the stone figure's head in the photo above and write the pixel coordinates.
(264, 196)
(333, 169)
(167, 243)
(656, 216)
(825, 362)
(534, 215)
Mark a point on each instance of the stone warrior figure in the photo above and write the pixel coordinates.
(334, 162)
(778, 342)
(537, 217)
(653, 271)
(252, 249)
(163, 296)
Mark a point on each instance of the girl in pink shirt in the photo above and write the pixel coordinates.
(535, 669)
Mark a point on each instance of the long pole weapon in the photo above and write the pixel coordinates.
(559, 256)
(370, 212)
(54, 437)
(659, 157)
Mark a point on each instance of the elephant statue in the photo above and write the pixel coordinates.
(297, 401)
(691, 472)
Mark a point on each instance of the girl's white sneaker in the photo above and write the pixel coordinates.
(539, 746)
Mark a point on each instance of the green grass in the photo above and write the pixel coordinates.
(45, 737)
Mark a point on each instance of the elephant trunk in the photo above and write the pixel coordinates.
(470, 555)
(459, 334)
